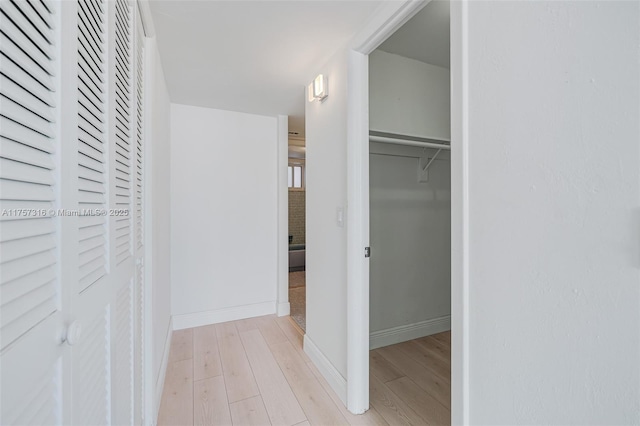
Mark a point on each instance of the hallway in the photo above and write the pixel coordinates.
(254, 372)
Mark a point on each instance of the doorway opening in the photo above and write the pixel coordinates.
(410, 220)
(296, 183)
(402, 180)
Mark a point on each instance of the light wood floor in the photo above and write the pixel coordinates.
(254, 372)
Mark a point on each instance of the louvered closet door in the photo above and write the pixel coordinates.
(30, 286)
(138, 173)
(122, 169)
(92, 301)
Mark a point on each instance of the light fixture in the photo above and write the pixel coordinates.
(318, 88)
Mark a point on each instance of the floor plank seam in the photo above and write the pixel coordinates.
(207, 378)
(244, 399)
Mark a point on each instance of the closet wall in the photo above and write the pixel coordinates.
(410, 217)
(408, 97)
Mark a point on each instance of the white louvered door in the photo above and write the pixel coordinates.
(92, 292)
(122, 169)
(31, 318)
(71, 220)
(105, 302)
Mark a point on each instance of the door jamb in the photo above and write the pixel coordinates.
(282, 304)
(387, 20)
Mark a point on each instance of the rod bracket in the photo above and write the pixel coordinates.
(423, 166)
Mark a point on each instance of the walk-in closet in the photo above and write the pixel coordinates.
(410, 215)
(410, 202)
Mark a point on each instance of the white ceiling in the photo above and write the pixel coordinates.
(251, 56)
(425, 37)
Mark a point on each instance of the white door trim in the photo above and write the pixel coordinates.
(358, 233)
(282, 305)
(385, 21)
(389, 18)
(459, 214)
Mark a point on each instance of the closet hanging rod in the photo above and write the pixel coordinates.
(398, 141)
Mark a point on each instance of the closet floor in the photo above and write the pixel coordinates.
(255, 372)
(410, 382)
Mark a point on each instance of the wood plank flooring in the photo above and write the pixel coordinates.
(255, 372)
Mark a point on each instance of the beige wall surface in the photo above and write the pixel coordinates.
(297, 216)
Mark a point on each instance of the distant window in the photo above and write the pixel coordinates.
(296, 176)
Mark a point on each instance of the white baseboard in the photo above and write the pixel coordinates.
(162, 373)
(284, 309)
(402, 333)
(198, 319)
(328, 371)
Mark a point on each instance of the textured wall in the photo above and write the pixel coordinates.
(297, 216)
(553, 206)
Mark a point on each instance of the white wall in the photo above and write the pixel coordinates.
(326, 191)
(158, 147)
(410, 280)
(408, 97)
(554, 201)
(223, 215)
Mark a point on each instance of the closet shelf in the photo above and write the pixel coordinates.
(409, 141)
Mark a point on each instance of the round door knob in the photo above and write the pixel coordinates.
(72, 333)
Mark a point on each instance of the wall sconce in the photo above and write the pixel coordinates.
(318, 89)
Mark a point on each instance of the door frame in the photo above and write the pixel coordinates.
(385, 22)
(283, 307)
